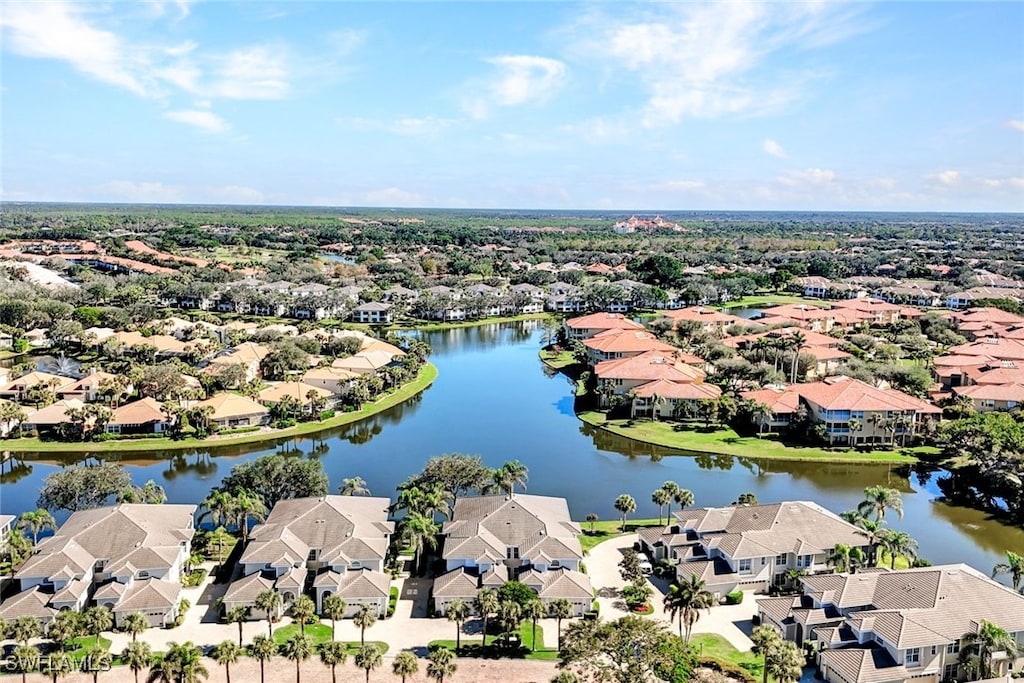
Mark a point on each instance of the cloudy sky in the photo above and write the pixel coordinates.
(819, 106)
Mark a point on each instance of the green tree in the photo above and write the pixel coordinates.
(898, 543)
(183, 663)
(565, 677)
(137, 656)
(278, 477)
(262, 649)
(96, 620)
(785, 663)
(685, 601)
(405, 664)
(487, 604)
(683, 498)
(36, 522)
(354, 486)
(368, 658)
(626, 505)
(661, 498)
(746, 499)
(442, 664)
(457, 611)
(509, 617)
(533, 611)
(365, 618)
(845, 558)
(977, 649)
(302, 610)
(25, 660)
(238, 615)
(592, 519)
(878, 499)
(298, 649)
(1014, 566)
(60, 664)
(766, 640)
(333, 608)
(419, 532)
(24, 629)
(457, 473)
(626, 650)
(135, 623)
(629, 566)
(66, 625)
(270, 602)
(333, 653)
(97, 659)
(226, 653)
(77, 487)
(511, 474)
(561, 609)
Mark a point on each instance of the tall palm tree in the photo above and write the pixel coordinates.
(561, 609)
(533, 611)
(247, 506)
(661, 498)
(878, 499)
(65, 626)
(511, 474)
(298, 648)
(354, 486)
(898, 543)
(785, 663)
(420, 532)
(1014, 566)
(238, 615)
(509, 616)
(625, 504)
(846, 558)
(137, 656)
(365, 618)
(684, 497)
(487, 603)
(442, 664)
(97, 659)
(36, 522)
(369, 658)
(60, 664)
(405, 664)
(135, 623)
(977, 648)
(671, 488)
(797, 341)
(25, 659)
(333, 608)
(183, 663)
(457, 611)
(269, 601)
(262, 649)
(96, 620)
(226, 653)
(685, 601)
(302, 609)
(766, 640)
(24, 629)
(333, 653)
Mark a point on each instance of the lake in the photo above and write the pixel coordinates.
(494, 398)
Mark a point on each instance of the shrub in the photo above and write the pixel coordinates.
(734, 598)
(731, 670)
(393, 601)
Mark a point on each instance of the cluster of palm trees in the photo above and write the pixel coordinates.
(669, 493)
(234, 509)
(684, 602)
(870, 518)
(508, 612)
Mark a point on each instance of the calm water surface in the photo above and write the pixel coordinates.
(493, 398)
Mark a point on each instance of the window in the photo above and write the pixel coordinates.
(744, 566)
(935, 650)
(355, 564)
(143, 574)
(949, 672)
(512, 552)
(780, 560)
(913, 656)
(555, 564)
(953, 648)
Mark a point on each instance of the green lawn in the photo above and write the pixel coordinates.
(610, 528)
(725, 441)
(321, 633)
(81, 645)
(428, 373)
(883, 560)
(769, 299)
(474, 648)
(558, 361)
(713, 645)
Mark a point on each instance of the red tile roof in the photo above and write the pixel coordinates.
(677, 390)
(780, 401)
(845, 393)
(652, 365)
(627, 341)
(603, 321)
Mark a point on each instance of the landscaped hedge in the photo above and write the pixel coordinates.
(393, 601)
(727, 668)
(734, 598)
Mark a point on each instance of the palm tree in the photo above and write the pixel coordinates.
(263, 650)
(238, 615)
(898, 543)
(661, 498)
(405, 664)
(457, 611)
(511, 474)
(182, 664)
(878, 499)
(302, 609)
(354, 486)
(685, 601)
(487, 603)
(684, 497)
(766, 640)
(97, 659)
(625, 504)
(846, 558)
(137, 656)
(247, 506)
(96, 620)
(226, 653)
(592, 519)
(364, 619)
(135, 623)
(509, 616)
(565, 676)
(561, 609)
(298, 648)
(333, 608)
(533, 611)
(333, 653)
(978, 648)
(36, 522)
(1014, 566)
(60, 664)
(797, 341)
(25, 659)
(369, 658)
(442, 664)
(872, 529)
(269, 601)
(419, 531)
(24, 629)
(785, 663)
(671, 488)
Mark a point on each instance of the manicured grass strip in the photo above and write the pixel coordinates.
(474, 647)
(426, 326)
(725, 441)
(771, 299)
(610, 528)
(428, 373)
(883, 560)
(321, 633)
(713, 645)
(558, 361)
(82, 645)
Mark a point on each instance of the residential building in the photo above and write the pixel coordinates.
(127, 557)
(897, 627)
(614, 344)
(750, 547)
(710, 320)
(781, 406)
(233, 410)
(145, 416)
(48, 419)
(989, 397)
(328, 545)
(373, 313)
(305, 395)
(90, 387)
(17, 389)
(591, 325)
(493, 539)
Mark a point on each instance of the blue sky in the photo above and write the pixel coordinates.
(788, 106)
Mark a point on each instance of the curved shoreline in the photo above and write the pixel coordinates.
(428, 373)
(735, 445)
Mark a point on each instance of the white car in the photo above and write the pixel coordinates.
(645, 566)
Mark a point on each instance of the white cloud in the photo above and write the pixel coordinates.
(141, 192)
(772, 147)
(1016, 124)
(949, 177)
(809, 176)
(518, 80)
(392, 196)
(706, 60)
(206, 120)
(598, 129)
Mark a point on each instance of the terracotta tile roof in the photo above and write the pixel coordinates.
(651, 365)
(998, 375)
(227, 405)
(139, 412)
(31, 379)
(811, 338)
(1002, 349)
(627, 341)
(678, 390)
(780, 401)
(297, 390)
(989, 315)
(992, 392)
(706, 316)
(844, 393)
(603, 321)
